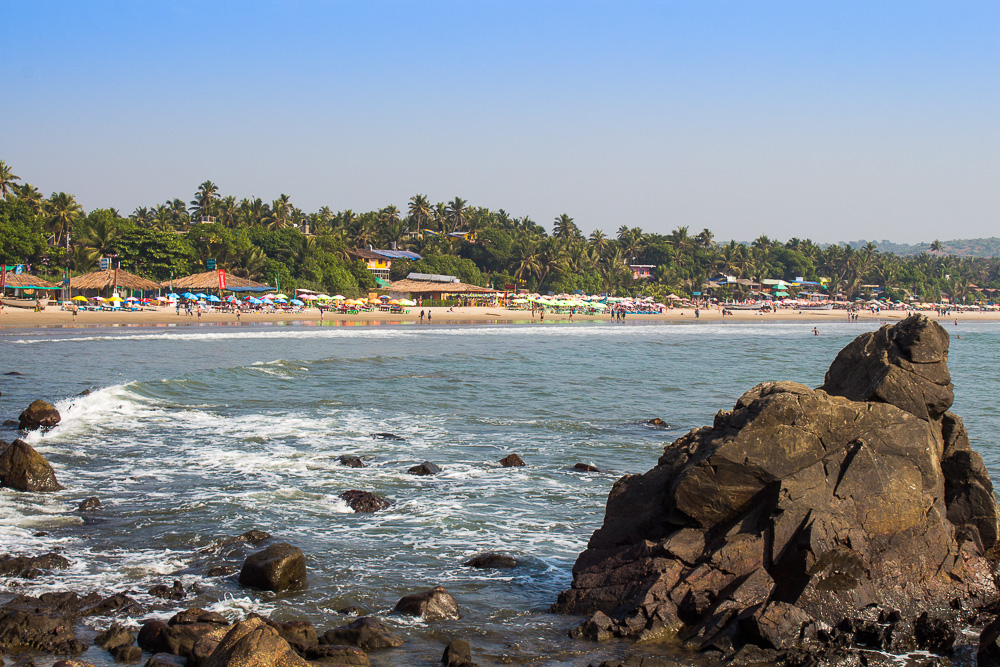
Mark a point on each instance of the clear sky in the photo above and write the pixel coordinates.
(830, 120)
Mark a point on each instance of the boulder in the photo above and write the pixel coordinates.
(22, 630)
(366, 633)
(300, 635)
(989, 645)
(252, 537)
(190, 633)
(339, 655)
(586, 467)
(126, 654)
(38, 415)
(351, 461)
(431, 605)
(511, 461)
(31, 567)
(806, 520)
(253, 643)
(71, 662)
(364, 501)
(164, 660)
(11, 422)
(387, 436)
(113, 637)
(24, 469)
(175, 592)
(458, 654)
(656, 422)
(492, 560)
(276, 568)
(425, 468)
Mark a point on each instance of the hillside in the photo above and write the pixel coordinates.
(988, 247)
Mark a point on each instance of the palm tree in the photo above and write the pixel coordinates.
(62, 211)
(565, 228)
(456, 214)
(226, 208)
(420, 211)
(100, 235)
(204, 199)
(82, 259)
(30, 195)
(281, 213)
(7, 179)
(598, 241)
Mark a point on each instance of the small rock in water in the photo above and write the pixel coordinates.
(366, 633)
(71, 662)
(12, 373)
(458, 654)
(425, 468)
(39, 415)
(85, 392)
(352, 610)
(656, 422)
(586, 467)
(114, 637)
(387, 436)
(126, 654)
(492, 560)
(432, 605)
(253, 537)
(276, 568)
(91, 503)
(364, 501)
(164, 660)
(352, 461)
(511, 461)
(24, 469)
(221, 570)
(10, 422)
(31, 567)
(175, 592)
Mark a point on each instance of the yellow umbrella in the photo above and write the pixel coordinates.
(79, 298)
(115, 298)
(393, 302)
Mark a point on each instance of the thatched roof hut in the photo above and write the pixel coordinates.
(27, 281)
(209, 280)
(99, 280)
(433, 289)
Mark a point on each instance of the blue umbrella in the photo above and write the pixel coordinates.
(296, 302)
(280, 301)
(214, 299)
(201, 296)
(188, 295)
(173, 295)
(254, 300)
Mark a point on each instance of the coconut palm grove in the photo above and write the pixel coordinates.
(277, 241)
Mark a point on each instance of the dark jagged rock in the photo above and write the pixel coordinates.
(656, 422)
(432, 605)
(11, 422)
(38, 415)
(351, 461)
(71, 662)
(511, 461)
(221, 570)
(353, 610)
(300, 635)
(31, 631)
(364, 501)
(458, 654)
(164, 660)
(276, 568)
(114, 604)
(175, 592)
(425, 468)
(113, 637)
(366, 633)
(192, 633)
(387, 436)
(91, 503)
(24, 469)
(492, 561)
(804, 522)
(126, 654)
(988, 654)
(586, 467)
(31, 567)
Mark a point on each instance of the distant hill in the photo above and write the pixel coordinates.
(989, 247)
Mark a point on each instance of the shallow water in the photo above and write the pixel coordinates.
(195, 433)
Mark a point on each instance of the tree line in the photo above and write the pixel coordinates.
(265, 241)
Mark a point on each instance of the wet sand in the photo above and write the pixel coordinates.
(11, 318)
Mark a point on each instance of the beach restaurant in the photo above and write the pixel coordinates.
(114, 279)
(26, 288)
(437, 288)
(215, 280)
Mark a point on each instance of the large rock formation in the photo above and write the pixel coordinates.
(802, 518)
(24, 469)
(38, 415)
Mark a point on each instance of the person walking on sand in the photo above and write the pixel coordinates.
(199, 312)
(428, 316)
(240, 312)
(73, 309)
(421, 317)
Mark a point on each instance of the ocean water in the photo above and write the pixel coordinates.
(198, 432)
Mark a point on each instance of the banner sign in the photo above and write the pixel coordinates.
(222, 279)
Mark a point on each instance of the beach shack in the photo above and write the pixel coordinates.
(437, 288)
(218, 280)
(93, 283)
(23, 290)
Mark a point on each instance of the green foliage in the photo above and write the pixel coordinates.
(450, 265)
(21, 235)
(153, 253)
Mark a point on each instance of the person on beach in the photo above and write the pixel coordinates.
(421, 317)
(73, 309)
(697, 313)
(428, 316)
(199, 312)
(815, 331)
(240, 312)
(541, 315)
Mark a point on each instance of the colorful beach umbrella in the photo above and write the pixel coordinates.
(79, 298)
(297, 302)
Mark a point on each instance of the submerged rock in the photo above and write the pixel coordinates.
(458, 654)
(276, 568)
(586, 467)
(387, 436)
(175, 592)
(38, 415)
(364, 501)
(492, 560)
(24, 469)
(432, 605)
(91, 503)
(855, 514)
(511, 461)
(656, 422)
(31, 567)
(351, 461)
(425, 468)
(367, 633)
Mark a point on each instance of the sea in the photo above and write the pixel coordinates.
(193, 433)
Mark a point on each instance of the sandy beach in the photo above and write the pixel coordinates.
(12, 318)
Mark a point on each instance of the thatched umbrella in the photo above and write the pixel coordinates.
(99, 280)
(209, 280)
(25, 280)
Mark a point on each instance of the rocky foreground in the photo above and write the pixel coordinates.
(806, 524)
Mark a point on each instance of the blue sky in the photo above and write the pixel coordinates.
(829, 120)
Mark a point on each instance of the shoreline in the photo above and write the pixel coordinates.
(53, 318)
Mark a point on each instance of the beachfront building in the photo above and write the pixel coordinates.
(19, 286)
(437, 288)
(207, 281)
(378, 262)
(641, 271)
